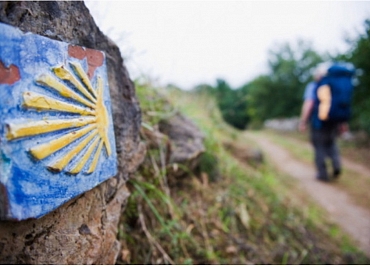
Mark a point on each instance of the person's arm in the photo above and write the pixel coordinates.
(324, 96)
(305, 114)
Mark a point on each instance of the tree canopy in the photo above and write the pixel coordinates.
(359, 55)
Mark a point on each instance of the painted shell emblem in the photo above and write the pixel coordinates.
(89, 134)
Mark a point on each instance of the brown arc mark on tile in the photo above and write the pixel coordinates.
(95, 58)
(76, 51)
(9, 75)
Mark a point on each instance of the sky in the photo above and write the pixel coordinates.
(188, 43)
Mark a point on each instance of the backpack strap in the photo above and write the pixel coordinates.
(316, 123)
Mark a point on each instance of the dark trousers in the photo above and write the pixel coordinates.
(324, 143)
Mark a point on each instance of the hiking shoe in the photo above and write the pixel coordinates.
(323, 179)
(336, 173)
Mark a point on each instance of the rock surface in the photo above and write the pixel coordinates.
(287, 124)
(82, 231)
(246, 154)
(186, 139)
(180, 142)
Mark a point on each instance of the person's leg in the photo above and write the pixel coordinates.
(318, 141)
(333, 152)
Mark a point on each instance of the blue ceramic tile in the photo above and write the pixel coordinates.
(56, 129)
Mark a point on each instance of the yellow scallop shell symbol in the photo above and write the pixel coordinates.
(91, 126)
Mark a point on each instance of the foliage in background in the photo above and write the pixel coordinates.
(359, 55)
(276, 94)
(232, 104)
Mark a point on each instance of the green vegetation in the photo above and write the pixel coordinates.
(358, 55)
(232, 103)
(226, 211)
(276, 94)
(279, 92)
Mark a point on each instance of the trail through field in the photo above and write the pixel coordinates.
(352, 218)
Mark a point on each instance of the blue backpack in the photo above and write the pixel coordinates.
(339, 79)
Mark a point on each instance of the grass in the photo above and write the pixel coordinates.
(226, 211)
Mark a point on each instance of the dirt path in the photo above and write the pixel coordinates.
(351, 218)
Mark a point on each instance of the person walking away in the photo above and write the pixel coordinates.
(327, 106)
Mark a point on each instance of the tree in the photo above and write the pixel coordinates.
(279, 94)
(233, 104)
(259, 99)
(359, 55)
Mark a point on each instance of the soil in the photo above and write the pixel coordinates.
(340, 205)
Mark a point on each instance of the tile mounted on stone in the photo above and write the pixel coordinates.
(56, 130)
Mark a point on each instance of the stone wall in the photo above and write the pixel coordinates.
(283, 124)
(82, 231)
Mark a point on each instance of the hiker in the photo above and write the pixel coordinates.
(327, 107)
